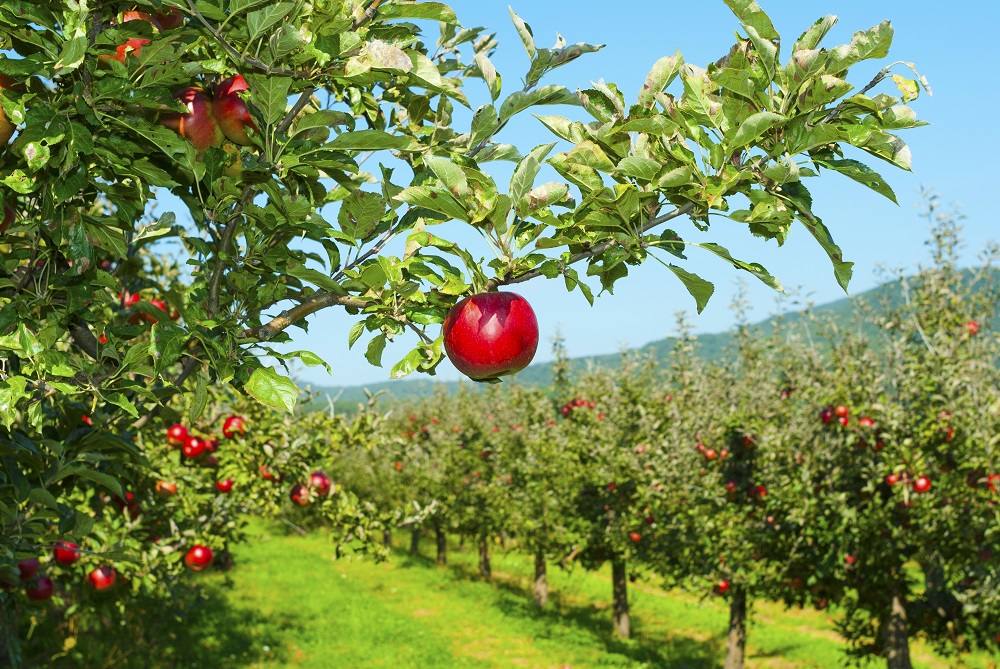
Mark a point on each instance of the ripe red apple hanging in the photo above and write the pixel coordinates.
(489, 335)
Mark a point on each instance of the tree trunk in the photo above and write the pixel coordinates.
(897, 641)
(442, 546)
(484, 558)
(737, 641)
(387, 537)
(619, 588)
(461, 542)
(541, 588)
(415, 542)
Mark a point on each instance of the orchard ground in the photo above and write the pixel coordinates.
(289, 603)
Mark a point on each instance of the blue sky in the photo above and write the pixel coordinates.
(948, 45)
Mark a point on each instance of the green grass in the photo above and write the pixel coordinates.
(290, 604)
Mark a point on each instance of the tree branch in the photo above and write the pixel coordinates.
(507, 280)
(285, 319)
(367, 16)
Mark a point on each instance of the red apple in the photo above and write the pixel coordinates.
(321, 483)
(193, 447)
(198, 558)
(299, 494)
(972, 327)
(41, 590)
(866, 422)
(922, 484)
(721, 587)
(134, 44)
(224, 486)
(102, 578)
(635, 536)
(231, 111)
(710, 453)
(826, 415)
(177, 435)
(234, 425)
(841, 411)
(892, 479)
(490, 335)
(198, 125)
(268, 475)
(850, 559)
(166, 488)
(399, 466)
(66, 553)
(844, 420)
(28, 568)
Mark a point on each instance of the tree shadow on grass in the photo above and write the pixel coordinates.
(198, 627)
(674, 651)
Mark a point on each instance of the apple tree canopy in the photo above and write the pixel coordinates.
(354, 104)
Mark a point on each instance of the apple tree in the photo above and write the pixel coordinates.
(259, 119)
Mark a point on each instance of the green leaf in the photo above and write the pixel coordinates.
(811, 38)
(260, 20)
(663, 72)
(523, 179)
(750, 14)
(119, 399)
(110, 483)
(72, 55)
(524, 32)
(871, 43)
(700, 289)
(375, 348)
(484, 124)
(371, 140)
(861, 173)
(431, 11)
(546, 95)
(406, 366)
(360, 214)
(493, 80)
(270, 94)
(200, 398)
(756, 269)
(315, 277)
(272, 389)
(450, 174)
(434, 199)
(638, 168)
(754, 126)
(356, 331)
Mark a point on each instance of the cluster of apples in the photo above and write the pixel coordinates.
(194, 447)
(212, 118)
(39, 587)
(319, 486)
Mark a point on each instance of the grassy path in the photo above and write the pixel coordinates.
(297, 607)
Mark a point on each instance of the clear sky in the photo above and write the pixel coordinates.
(950, 43)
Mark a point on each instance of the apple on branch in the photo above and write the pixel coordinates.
(489, 335)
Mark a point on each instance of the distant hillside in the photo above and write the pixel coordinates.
(710, 347)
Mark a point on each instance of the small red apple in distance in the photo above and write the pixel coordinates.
(892, 479)
(176, 435)
(166, 488)
(826, 415)
(841, 411)
(41, 590)
(234, 425)
(489, 335)
(972, 327)
(850, 559)
(28, 568)
(198, 125)
(321, 483)
(843, 420)
(399, 466)
(198, 558)
(102, 578)
(231, 111)
(710, 453)
(721, 587)
(635, 536)
(922, 484)
(66, 553)
(866, 422)
(299, 494)
(193, 447)
(224, 486)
